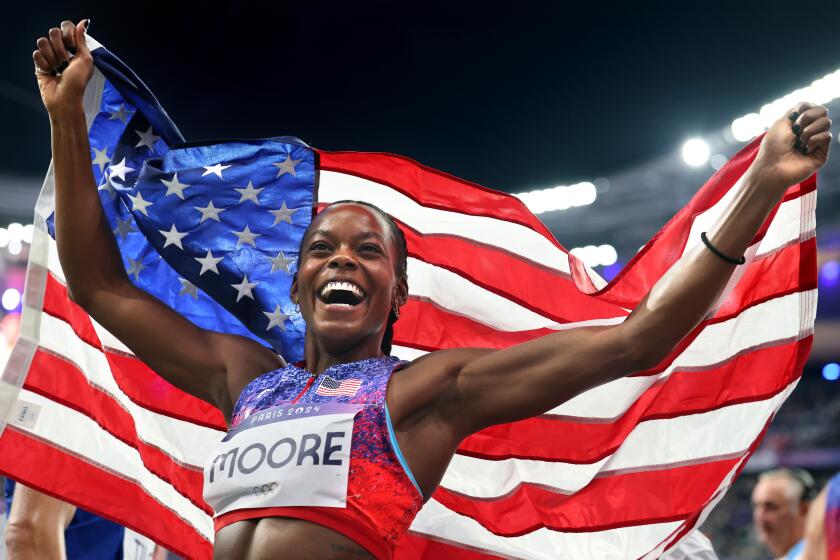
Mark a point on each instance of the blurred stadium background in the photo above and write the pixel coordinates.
(604, 219)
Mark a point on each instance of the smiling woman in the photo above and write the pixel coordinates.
(333, 456)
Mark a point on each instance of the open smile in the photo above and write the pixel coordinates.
(341, 295)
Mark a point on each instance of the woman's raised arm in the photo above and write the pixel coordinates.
(209, 365)
(489, 387)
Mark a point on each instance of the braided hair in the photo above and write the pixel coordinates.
(401, 265)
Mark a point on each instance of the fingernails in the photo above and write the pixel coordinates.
(796, 128)
(793, 116)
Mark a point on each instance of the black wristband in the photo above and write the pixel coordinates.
(715, 250)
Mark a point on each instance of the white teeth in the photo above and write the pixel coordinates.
(345, 286)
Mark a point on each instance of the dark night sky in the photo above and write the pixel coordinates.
(510, 95)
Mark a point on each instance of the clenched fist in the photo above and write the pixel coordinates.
(62, 79)
(795, 147)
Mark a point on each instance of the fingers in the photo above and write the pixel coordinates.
(57, 43)
(68, 36)
(80, 40)
(46, 50)
(820, 125)
(817, 141)
(53, 54)
(41, 62)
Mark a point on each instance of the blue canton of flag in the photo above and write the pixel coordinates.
(212, 230)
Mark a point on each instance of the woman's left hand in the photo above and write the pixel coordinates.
(794, 148)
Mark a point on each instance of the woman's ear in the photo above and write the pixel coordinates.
(401, 290)
(293, 290)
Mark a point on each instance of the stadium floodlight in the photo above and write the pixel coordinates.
(820, 91)
(10, 299)
(831, 371)
(559, 198)
(602, 255)
(695, 152)
(27, 233)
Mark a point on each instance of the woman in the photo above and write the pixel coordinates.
(350, 285)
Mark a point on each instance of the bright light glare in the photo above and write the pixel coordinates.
(28, 230)
(559, 198)
(596, 256)
(695, 152)
(831, 270)
(820, 91)
(15, 246)
(10, 299)
(831, 371)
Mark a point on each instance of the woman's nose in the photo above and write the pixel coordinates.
(342, 260)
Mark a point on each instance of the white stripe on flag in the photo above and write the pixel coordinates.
(435, 520)
(680, 440)
(79, 434)
(506, 235)
(186, 442)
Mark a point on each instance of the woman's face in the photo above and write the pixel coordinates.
(346, 283)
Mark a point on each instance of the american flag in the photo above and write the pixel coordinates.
(622, 471)
(330, 387)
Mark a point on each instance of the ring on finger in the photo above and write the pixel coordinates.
(39, 70)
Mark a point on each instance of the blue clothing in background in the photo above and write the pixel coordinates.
(88, 537)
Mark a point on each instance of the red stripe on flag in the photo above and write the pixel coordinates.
(61, 381)
(139, 382)
(639, 498)
(684, 392)
(59, 473)
(433, 188)
(416, 546)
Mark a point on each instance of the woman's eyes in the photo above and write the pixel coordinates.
(322, 246)
(370, 247)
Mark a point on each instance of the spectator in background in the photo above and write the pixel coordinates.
(780, 502)
(822, 530)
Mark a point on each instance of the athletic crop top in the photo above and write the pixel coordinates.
(321, 449)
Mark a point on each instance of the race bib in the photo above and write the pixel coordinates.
(293, 455)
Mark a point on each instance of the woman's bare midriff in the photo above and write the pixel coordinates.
(283, 538)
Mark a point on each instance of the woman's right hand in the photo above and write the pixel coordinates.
(62, 80)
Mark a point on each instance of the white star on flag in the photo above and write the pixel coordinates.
(284, 214)
(246, 237)
(188, 287)
(101, 158)
(134, 268)
(244, 288)
(250, 193)
(208, 262)
(120, 114)
(119, 170)
(215, 169)
(174, 186)
(123, 228)
(147, 139)
(209, 212)
(280, 261)
(287, 166)
(140, 205)
(276, 318)
(173, 237)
